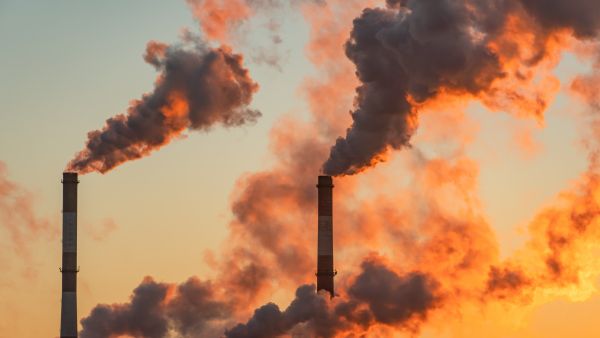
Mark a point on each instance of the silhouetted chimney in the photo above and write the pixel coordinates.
(325, 271)
(68, 311)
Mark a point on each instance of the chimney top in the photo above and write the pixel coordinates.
(325, 181)
(70, 177)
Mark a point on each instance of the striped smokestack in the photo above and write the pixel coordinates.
(325, 271)
(68, 311)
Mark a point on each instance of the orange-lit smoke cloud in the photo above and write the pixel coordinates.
(218, 18)
(559, 259)
(198, 88)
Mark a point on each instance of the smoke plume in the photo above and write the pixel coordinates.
(402, 56)
(198, 88)
(155, 309)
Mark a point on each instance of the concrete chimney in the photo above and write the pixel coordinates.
(325, 271)
(68, 311)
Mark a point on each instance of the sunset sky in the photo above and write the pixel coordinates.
(487, 186)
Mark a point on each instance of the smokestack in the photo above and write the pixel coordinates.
(325, 271)
(68, 311)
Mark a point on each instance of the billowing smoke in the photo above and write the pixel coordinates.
(390, 299)
(156, 309)
(198, 88)
(269, 321)
(403, 56)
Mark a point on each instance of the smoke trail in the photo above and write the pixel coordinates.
(18, 216)
(198, 87)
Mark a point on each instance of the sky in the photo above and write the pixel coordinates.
(212, 200)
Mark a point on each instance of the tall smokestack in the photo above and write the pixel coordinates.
(68, 311)
(325, 271)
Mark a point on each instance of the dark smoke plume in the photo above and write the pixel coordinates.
(377, 296)
(142, 317)
(269, 321)
(198, 87)
(156, 309)
(403, 55)
(393, 299)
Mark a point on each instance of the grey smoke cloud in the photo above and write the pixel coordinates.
(155, 309)
(143, 316)
(269, 321)
(393, 299)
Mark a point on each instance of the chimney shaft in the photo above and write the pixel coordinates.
(68, 311)
(325, 271)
